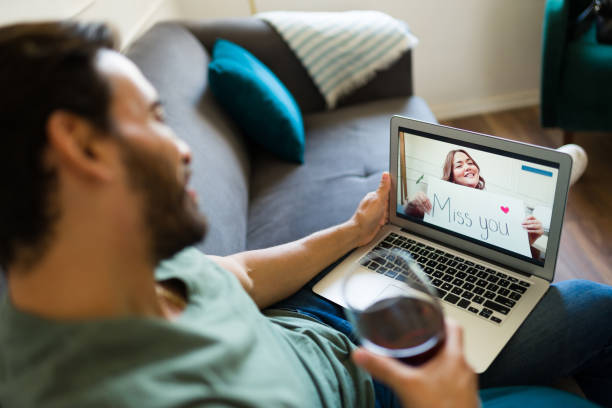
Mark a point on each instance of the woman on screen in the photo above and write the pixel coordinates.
(460, 168)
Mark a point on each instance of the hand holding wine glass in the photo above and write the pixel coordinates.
(405, 320)
(446, 380)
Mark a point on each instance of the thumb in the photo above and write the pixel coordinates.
(385, 183)
(385, 369)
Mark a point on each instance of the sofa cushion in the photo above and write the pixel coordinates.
(176, 64)
(257, 101)
(346, 151)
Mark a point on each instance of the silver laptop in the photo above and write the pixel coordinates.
(457, 205)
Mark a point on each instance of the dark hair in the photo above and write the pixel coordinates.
(447, 171)
(44, 67)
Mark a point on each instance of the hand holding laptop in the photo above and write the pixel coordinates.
(373, 211)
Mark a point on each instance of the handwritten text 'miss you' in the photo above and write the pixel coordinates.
(463, 218)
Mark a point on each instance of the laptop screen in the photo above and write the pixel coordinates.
(493, 198)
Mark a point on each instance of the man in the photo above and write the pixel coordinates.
(98, 196)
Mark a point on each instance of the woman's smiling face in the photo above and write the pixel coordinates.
(465, 171)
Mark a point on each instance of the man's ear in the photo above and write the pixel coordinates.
(78, 146)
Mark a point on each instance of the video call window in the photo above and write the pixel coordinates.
(496, 199)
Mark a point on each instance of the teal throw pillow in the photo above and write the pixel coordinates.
(257, 100)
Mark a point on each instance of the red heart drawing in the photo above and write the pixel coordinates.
(505, 209)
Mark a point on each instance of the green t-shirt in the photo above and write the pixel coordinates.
(222, 351)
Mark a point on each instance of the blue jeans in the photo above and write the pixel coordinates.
(569, 333)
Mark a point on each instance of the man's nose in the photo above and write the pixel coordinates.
(184, 151)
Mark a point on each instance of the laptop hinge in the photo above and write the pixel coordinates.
(527, 275)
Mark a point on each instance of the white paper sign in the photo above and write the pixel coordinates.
(487, 217)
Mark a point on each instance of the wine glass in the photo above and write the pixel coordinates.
(404, 321)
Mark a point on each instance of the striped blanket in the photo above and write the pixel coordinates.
(342, 50)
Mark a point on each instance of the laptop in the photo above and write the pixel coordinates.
(468, 237)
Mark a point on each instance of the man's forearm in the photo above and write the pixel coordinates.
(280, 271)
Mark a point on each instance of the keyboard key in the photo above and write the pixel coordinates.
(489, 295)
(461, 275)
(478, 290)
(462, 267)
(503, 283)
(452, 263)
(514, 296)
(473, 309)
(492, 278)
(503, 292)
(482, 283)
(525, 284)
(463, 303)
(424, 252)
(385, 245)
(433, 256)
(430, 248)
(422, 259)
(497, 307)
(451, 298)
(469, 263)
(428, 270)
(460, 259)
(468, 286)
(391, 274)
(439, 252)
(437, 274)
(482, 274)
(471, 279)
(511, 279)
(431, 263)
(457, 282)
(457, 291)
(441, 293)
(492, 287)
(486, 313)
(482, 268)
(451, 271)
(472, 270)
(478, 299)
(441, 267)
(495, 319)
(501, 275)
(446, 286)
(442, 259)
(447, 278)
(437, 282)
(490, 270)
(517, 288)
(505, 301)
(467, 295)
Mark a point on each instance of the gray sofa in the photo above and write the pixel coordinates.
(251, 198)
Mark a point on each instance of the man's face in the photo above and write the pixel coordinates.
(156, 161)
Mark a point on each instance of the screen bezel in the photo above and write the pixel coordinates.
(536, 153)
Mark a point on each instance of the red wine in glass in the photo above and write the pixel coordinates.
(410, 329)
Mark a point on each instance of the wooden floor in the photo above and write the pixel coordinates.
(586, 240)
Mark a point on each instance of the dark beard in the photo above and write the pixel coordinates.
(170, 213)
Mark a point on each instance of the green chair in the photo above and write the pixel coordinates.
(576, 82)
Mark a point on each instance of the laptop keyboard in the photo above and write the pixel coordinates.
(483, 291)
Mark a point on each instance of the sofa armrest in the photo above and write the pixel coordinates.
(264, 42)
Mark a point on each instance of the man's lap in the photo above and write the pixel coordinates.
(566, 334)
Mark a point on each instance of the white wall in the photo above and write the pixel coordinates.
(474, 55)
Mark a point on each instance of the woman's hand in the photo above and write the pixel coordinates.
(534, 228)
(419, 205)
(446, 380)
(372, 212)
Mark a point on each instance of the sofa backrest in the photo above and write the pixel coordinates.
(264, 42)
(176, 64)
